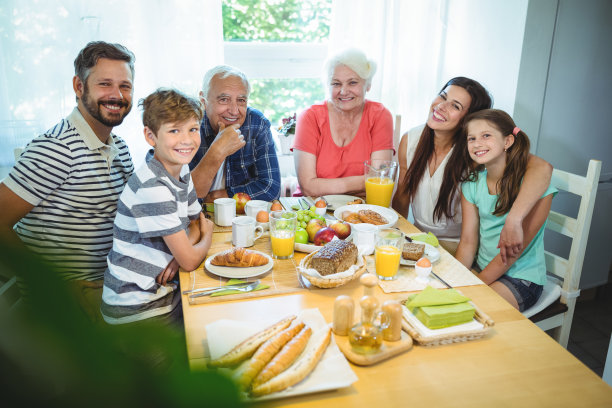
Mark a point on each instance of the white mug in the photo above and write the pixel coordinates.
(243, 231)
(364, 236)
(225, 211)
(252, 207)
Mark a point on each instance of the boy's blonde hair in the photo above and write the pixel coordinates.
(167, 105)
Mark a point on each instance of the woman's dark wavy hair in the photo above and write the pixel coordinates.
(457, 166)
(517, 157)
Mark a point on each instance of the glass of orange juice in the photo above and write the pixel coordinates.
(379, 181)
(282, 233)
(388, 251)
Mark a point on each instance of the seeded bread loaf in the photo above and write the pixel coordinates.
(413, 251)
(336, 256)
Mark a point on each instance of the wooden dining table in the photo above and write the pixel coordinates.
(515, 364)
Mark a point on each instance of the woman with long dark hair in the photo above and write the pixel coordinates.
(432, 165)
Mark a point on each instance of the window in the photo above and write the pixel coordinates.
(281, 46)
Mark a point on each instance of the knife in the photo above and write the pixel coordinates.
(441, 280)
(216, 288)
(248, 288)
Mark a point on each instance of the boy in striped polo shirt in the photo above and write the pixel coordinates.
(159, 224)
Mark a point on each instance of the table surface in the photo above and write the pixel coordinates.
(516, 364)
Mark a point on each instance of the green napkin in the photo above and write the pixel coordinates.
(437, 308)
(261, 286)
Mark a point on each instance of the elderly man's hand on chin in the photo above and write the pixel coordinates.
(229, 140)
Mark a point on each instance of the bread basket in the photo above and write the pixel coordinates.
(327, 282)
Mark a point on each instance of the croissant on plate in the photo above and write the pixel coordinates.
(239, 257)
(372, 217)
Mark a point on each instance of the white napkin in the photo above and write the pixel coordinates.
(349, 272)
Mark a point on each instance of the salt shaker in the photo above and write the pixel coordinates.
(344, 308)
(394, 310)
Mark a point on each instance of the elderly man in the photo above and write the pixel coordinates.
(237, 151)
(60, 199)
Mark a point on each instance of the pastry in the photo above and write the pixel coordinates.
(336, 256)
(356, 201)
(351, 217)
(372, 217)
(245, 374)
(413, 251)
(284, 358)
(239, 257)
(246, 349)
(298, 371)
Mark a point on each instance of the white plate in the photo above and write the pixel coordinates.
(312, 247)
(234, 272)
(338, 200)
(388, 213)
(431, 253)
(332, 372)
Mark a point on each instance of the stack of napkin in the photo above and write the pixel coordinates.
(437, 308)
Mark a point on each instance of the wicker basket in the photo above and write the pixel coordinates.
(457, 337)
(327, 282)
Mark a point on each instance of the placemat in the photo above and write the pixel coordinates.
(448, 268)
(282, 278)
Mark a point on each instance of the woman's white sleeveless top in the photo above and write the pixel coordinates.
(426, 196)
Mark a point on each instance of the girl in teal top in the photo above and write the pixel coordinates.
(499, 152)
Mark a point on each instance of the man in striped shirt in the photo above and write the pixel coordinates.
(60, 199)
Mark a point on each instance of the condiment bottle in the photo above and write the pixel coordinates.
(366, 336)
(344, 309)
(394, 310)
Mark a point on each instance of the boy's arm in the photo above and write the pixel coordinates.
(170, 271)
(535, 182)
(531, 225)
(468, 244)
(189, 256)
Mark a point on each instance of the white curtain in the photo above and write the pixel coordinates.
(420, 44)
(175, 42)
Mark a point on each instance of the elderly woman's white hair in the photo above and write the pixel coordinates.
(356, 60)
(224, 71)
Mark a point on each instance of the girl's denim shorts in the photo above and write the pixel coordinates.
(526, 293)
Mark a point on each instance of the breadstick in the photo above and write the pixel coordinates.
(264, 354)
(246, 349)
(296, 372)
(284, 358)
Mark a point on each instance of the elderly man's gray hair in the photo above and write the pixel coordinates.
(223, 71)
(354, 59)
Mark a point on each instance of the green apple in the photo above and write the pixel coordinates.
(301, 236)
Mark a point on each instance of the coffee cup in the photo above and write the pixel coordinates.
(364, 237)
(243, 231)
(252, 207)
(225, 211)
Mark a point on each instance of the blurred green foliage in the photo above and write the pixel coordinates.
(279, 21)
(52, 355)
(276, 20)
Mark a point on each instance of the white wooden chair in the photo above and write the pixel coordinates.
(555, 308)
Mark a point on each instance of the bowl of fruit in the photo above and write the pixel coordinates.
(314, 231)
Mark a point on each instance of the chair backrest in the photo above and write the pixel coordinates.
(567, 271)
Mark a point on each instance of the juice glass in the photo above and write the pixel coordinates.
(379, 181)
(282, 233)
(389, 245)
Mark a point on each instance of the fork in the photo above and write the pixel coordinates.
(251, 286)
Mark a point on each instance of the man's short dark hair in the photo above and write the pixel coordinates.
(89, 56)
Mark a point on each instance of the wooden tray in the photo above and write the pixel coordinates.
(457, 337)
(387, 350)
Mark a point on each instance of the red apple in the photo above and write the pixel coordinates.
(313, 226)
(343, 229)
(241, 200)
(323, 236)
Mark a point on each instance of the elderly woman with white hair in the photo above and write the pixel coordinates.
(335, 137)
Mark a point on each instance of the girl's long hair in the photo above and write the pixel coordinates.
(517, 157)
(456, 166)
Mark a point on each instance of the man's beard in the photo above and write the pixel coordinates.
(93, 107)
